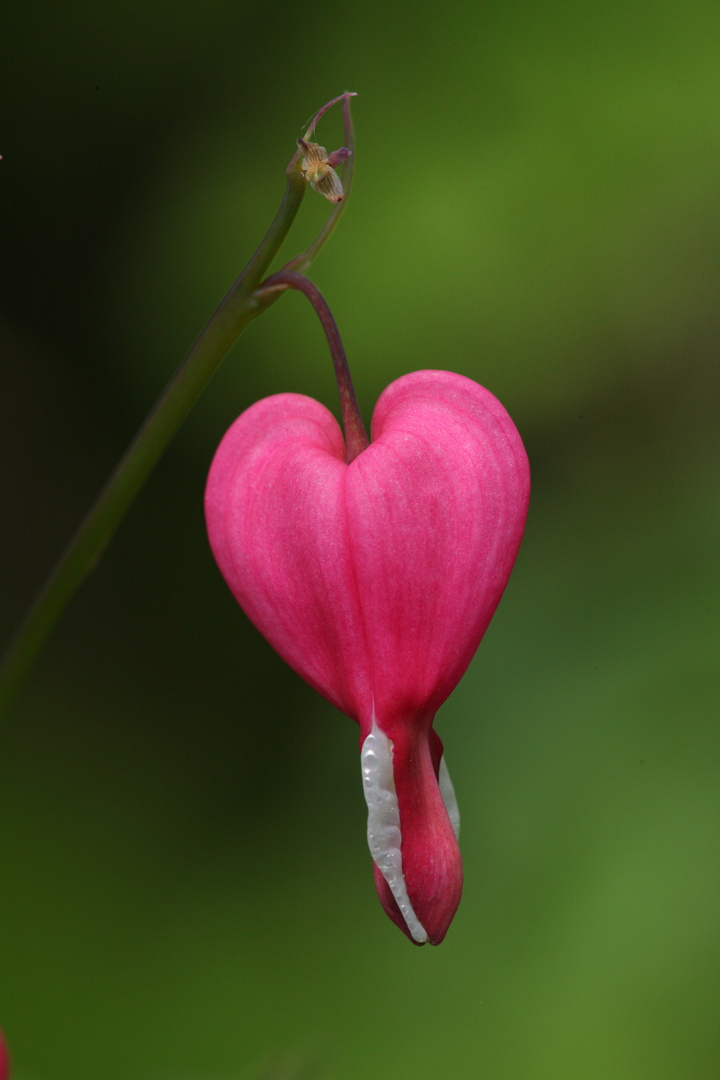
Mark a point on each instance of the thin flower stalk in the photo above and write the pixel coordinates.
(235, 312)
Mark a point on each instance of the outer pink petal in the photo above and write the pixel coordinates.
(275, 512)
(436, 507)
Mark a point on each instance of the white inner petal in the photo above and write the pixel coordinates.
(448, 796)
(383, 830)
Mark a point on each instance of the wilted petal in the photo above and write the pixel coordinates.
(318, 169)
(338, 156)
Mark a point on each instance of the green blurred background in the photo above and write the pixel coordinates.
(186, 892)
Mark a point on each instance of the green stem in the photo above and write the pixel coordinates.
(237, 309)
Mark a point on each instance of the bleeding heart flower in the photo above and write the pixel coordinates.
(376, 581)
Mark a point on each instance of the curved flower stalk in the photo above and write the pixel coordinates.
(239, 307)
(375, 580)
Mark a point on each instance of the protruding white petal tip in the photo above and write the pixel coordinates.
(448, 796)
(383, 831)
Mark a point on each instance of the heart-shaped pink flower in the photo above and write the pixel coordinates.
(376, 581)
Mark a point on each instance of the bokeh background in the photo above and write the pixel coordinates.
(185, 889)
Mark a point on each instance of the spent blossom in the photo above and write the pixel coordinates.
(318, 168)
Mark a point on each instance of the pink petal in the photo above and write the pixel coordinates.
(436, 508)
(275, 513)
(4, 1060)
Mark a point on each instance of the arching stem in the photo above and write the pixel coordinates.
(356, 439)
(241, 305)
